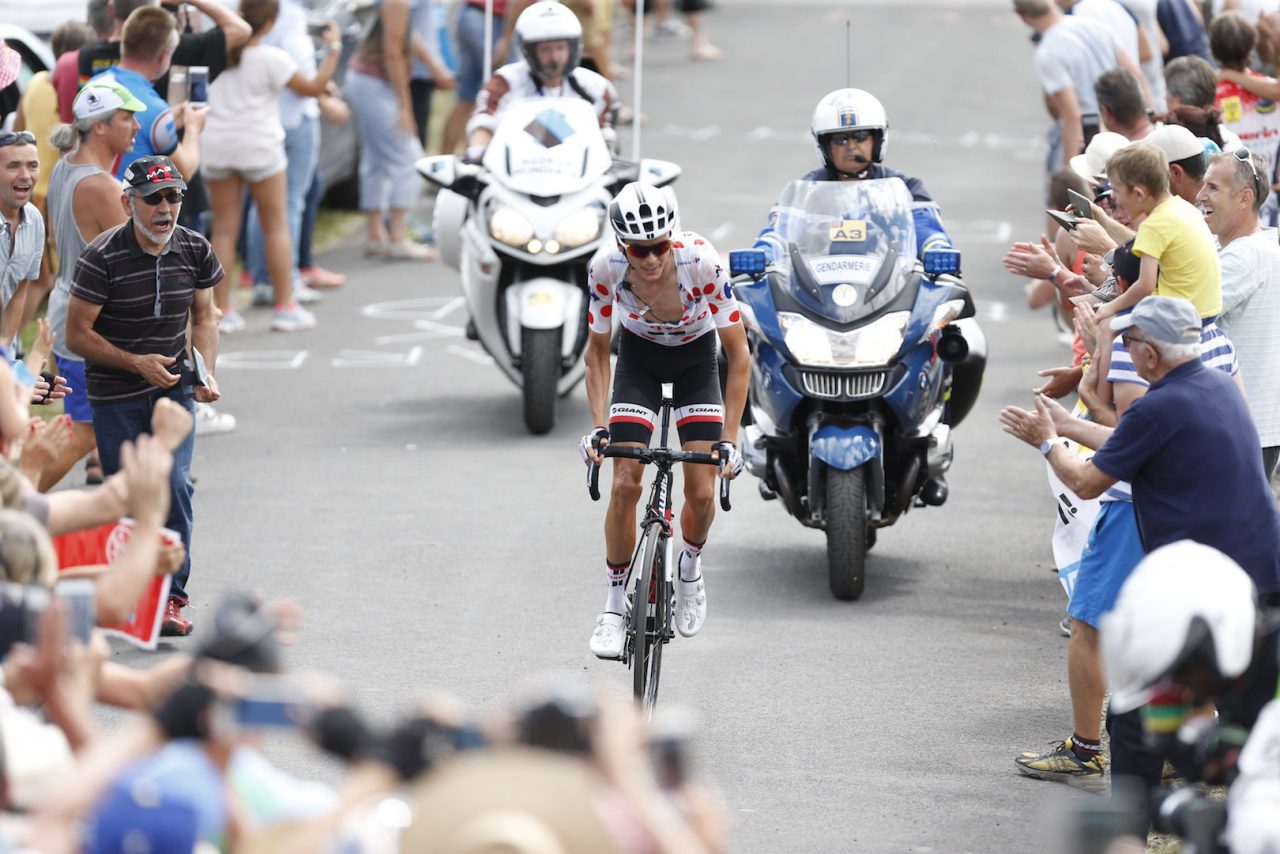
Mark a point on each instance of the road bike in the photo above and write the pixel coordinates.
(650, 585)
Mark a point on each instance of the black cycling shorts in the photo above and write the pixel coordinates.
(643, 366)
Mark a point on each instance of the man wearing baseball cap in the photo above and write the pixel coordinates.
(1188, 446)
(84, 201)
(134, 290)
(1184, 152)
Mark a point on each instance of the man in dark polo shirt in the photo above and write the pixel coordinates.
(1188, 447)
(135, 288)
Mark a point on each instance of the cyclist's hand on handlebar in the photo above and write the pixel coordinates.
(592, 445)
(731, 460)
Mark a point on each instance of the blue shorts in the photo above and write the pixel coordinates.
(1113, 550)
(75, 404)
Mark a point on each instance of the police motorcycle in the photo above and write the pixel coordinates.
(863, 360)
(521, 228)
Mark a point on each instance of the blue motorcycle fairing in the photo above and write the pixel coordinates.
(845, 448)
(770, 384)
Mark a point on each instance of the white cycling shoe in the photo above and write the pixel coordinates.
(691, 606)
(607, 639)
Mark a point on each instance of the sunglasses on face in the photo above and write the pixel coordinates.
(21, 137)
(173, 197)
(1129, 340)
(856, 136)
(657, 249)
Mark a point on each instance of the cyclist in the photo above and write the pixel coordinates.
(849, 127)
(669, 291)
(551, 42)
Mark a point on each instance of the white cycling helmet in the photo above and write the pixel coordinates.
(1185, 603)
(549, 20)
(643, 212)
(845, 110)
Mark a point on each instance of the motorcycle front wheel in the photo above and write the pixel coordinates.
(540, 369)
(847, 541)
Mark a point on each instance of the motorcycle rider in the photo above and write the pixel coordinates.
(849, 127)
(1188, 630)
(669, 292)
(551, 43)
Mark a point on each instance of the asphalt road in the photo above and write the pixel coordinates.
(381, 476)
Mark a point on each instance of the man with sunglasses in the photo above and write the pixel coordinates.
(22, 240)
(849, 128)
(1231, 200)
(135, 289)
(672, 297)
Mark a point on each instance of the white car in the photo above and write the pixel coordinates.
(43, 17)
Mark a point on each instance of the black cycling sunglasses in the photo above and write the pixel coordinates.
(17, 137)
(173, 197)
(856, 136)
(659, 249)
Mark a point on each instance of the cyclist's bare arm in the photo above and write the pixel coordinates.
(597, 377)
(734, 341)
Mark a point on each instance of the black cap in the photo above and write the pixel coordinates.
(149, 174)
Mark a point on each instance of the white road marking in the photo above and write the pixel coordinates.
(376, 359)
(408, 309)
(980, 231)
(263, 360)
(480, 358)
(699, 134)
(448, 308)
(996, 311)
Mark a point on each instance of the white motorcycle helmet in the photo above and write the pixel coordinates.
(643, 212)
(846, 110)
(549, 20)
(1185, 603)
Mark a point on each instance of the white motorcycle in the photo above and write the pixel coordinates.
(521, 228)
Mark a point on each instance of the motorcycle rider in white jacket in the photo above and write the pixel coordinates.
(551, 43)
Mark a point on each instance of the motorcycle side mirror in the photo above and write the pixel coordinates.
(658, 173)
(747, 262)
(445, 170)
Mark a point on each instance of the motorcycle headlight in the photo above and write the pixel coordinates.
(816, 346)
(581, 226)
(510, 226)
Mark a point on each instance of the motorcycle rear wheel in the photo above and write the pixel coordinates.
(847, 539)
(540, 370)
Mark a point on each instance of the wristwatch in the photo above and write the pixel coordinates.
(1046, 445)
(1053, 277)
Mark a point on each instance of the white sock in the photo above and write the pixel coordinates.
(616, 580)
(689, 570)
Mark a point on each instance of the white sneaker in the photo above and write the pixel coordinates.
(606, 640)
(210, 422)
(292, 319)
(691, 606)
(304, 294)
(231, 322)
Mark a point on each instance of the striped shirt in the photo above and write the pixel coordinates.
(20, 251)
(146, 300)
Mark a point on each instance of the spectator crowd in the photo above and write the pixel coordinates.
(1162, 268)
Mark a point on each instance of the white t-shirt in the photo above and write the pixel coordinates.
(1153, 68)
(1250, 307)
(243, 129)
(1115, 18)
(1251, 9)
(1074, 53)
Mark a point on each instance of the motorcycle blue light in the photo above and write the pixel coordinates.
(749, 262)
(942, 262)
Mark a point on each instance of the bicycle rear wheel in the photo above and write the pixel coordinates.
(649, 618)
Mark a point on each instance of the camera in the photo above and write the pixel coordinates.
(1193, 817)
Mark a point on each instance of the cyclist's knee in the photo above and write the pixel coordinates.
(627, 487)
(700, 494)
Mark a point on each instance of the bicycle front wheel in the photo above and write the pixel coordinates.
(649, 618)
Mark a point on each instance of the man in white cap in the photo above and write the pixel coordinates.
(84, 201)
(1187, 161)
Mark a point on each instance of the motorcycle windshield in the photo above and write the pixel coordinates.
(854, 242)
(548, 147)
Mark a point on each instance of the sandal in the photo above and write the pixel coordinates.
(93, 470)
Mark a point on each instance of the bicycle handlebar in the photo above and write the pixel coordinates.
(662, 456)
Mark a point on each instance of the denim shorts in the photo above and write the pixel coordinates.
(470, 46)
(1113, 550)
(75, 404)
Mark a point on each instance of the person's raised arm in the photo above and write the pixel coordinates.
(314, 87)
(235, 30)
(1263, 87)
